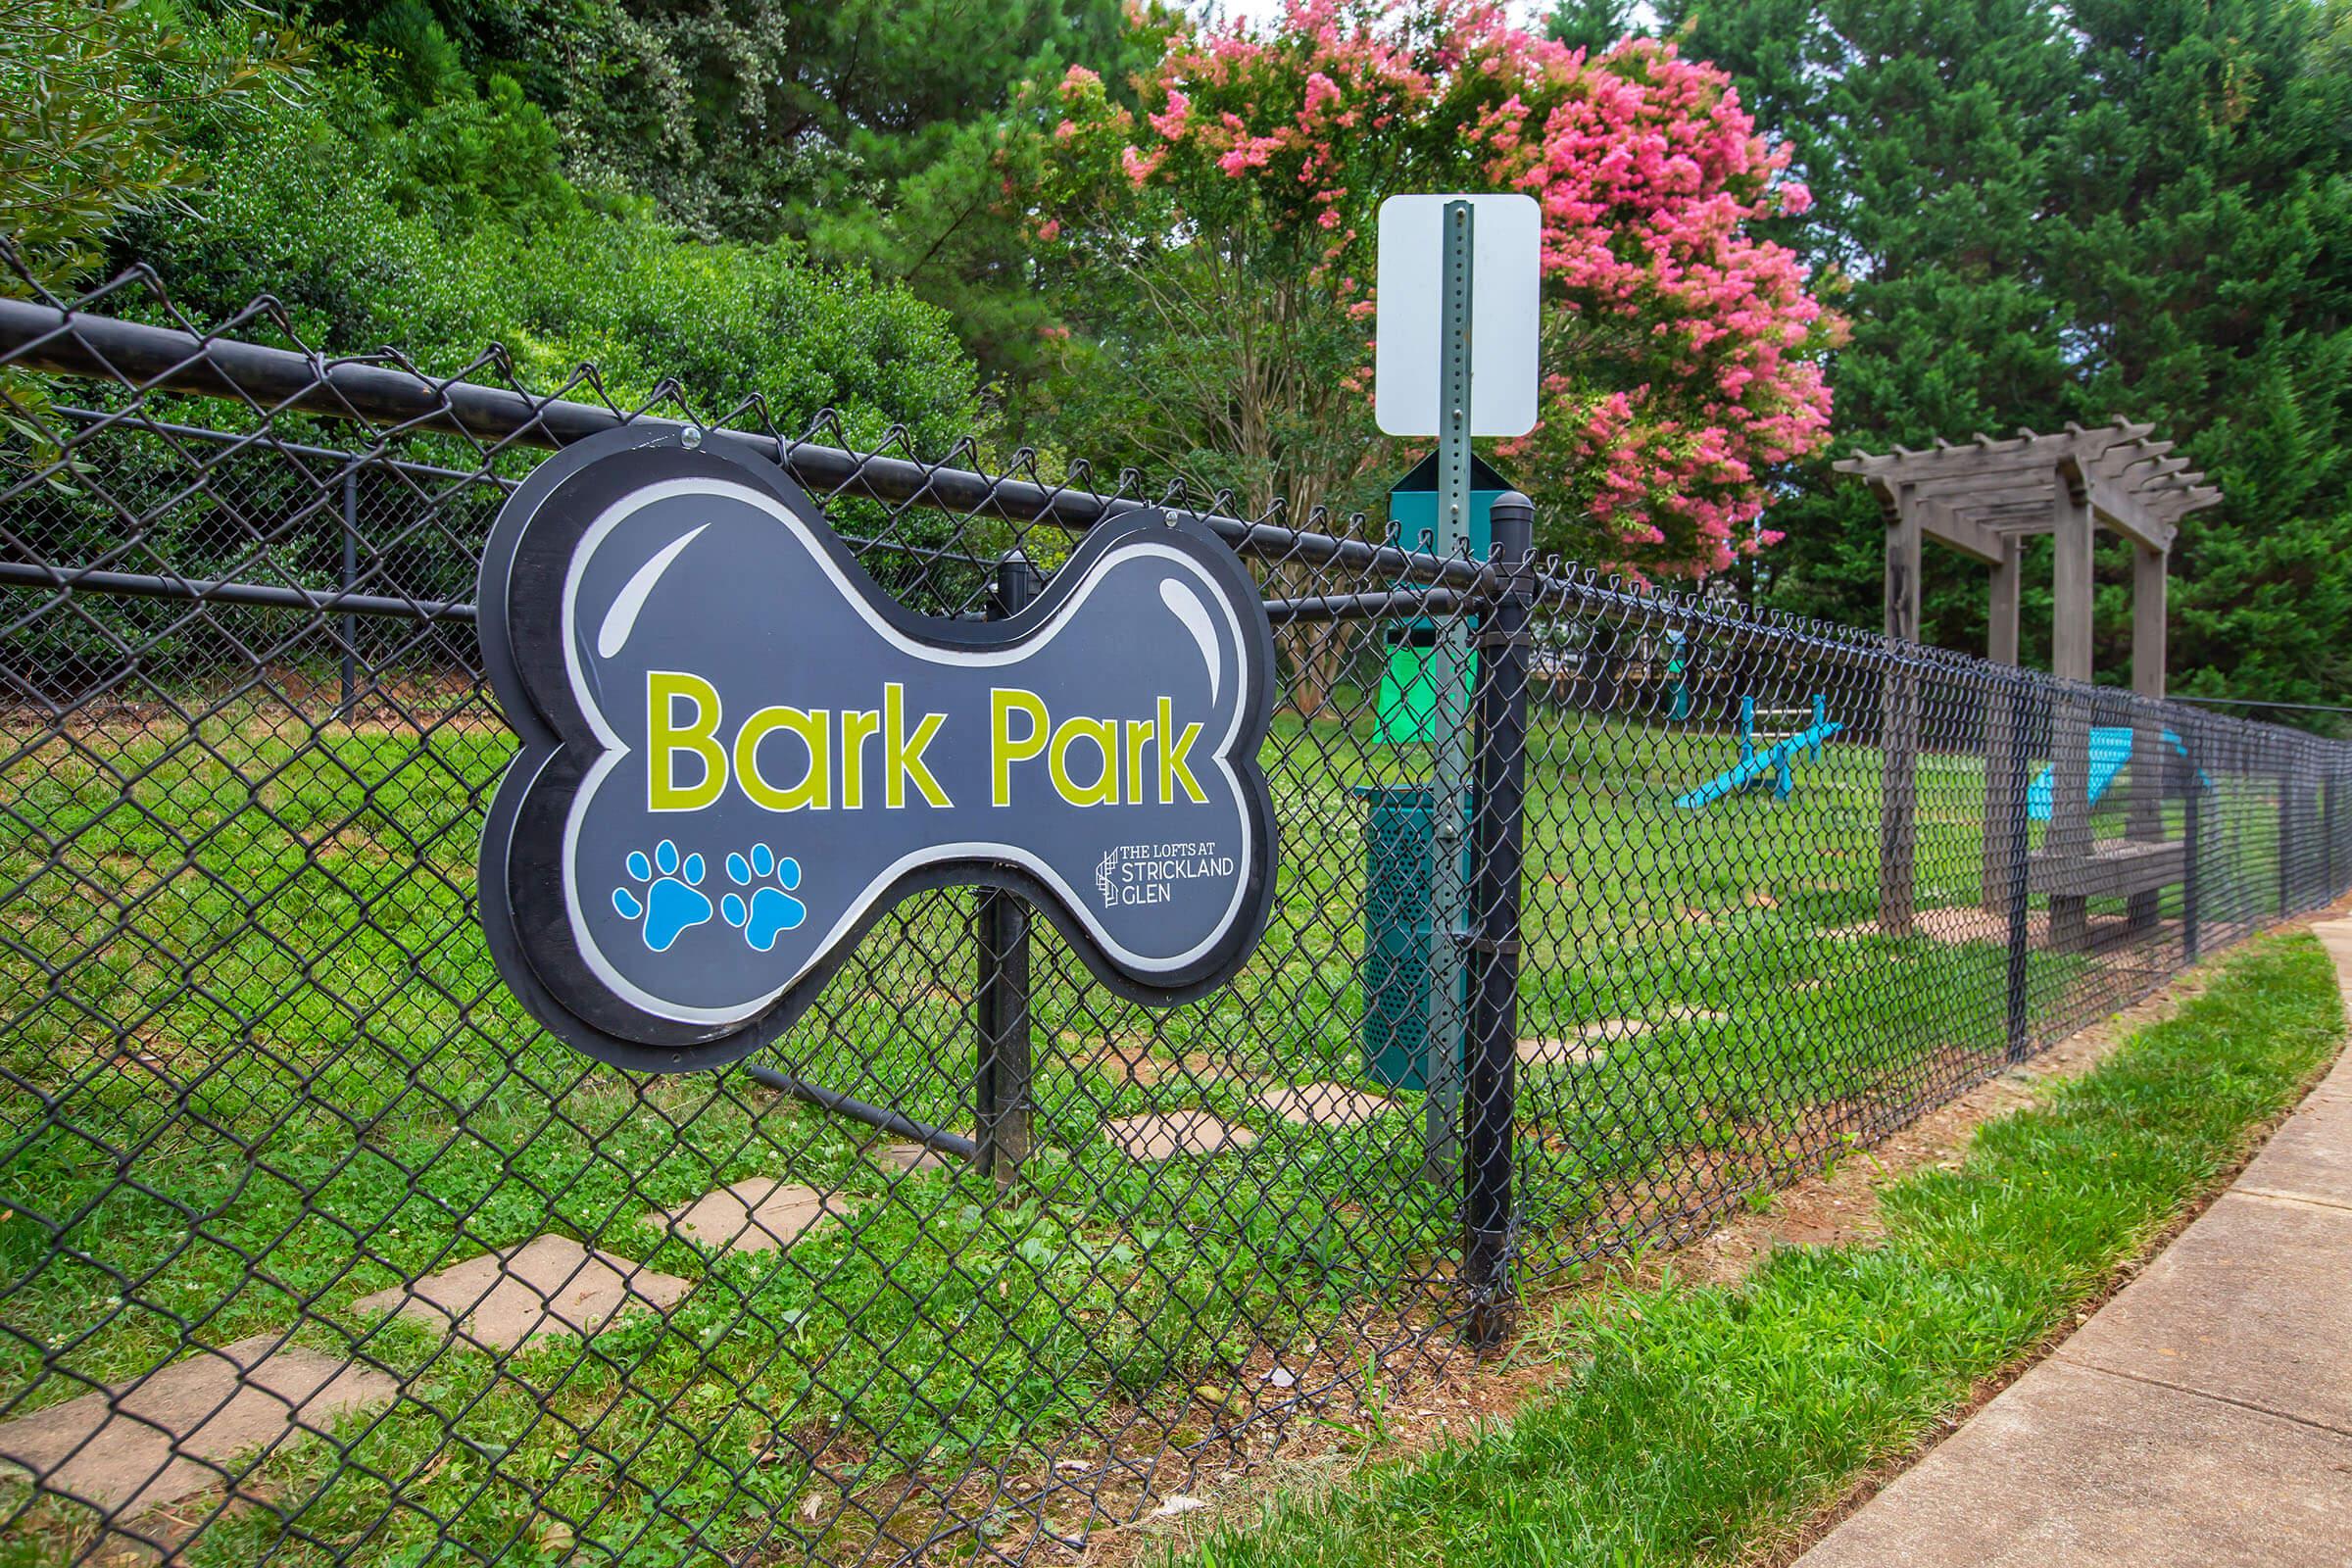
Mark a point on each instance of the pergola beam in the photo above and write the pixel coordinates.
(1970, 497)
(1962, 488)
(2129, 452)
(1988, 456)
(1955, 531)
(2122, 510)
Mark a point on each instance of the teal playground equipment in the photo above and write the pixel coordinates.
(2109, 750)
(1763, 753)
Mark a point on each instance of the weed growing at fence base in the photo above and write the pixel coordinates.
(1708, 1422)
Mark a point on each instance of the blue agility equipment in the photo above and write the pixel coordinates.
(2109, 750)
(1757, 760)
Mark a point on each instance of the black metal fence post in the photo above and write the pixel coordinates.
(1000, 995)
(2017, 886)
(1491, 1096)
(2000, 731)
(350, 629)
(2192, 832)
(2329, 783)
(2288, 809)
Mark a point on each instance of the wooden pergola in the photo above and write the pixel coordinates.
(1984, 500)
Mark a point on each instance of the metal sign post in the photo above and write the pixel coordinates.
(1449, 763)
(1477, 258)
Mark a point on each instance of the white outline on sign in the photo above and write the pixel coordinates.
(614, 750)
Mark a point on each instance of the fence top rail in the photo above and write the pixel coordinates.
(144, 357)
(393, 398)
(350, 465)
(397, 398)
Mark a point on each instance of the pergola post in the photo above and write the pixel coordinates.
(2001, 800)
(1899, 728)
(2000, 635)
(2070, 740)
(2150, 758)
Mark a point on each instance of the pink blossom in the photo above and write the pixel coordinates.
(1663, 432)
(1255, 151)
(1170, 121)
(1138, 167)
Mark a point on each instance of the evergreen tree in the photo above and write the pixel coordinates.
(2091, 210)
(1921, 128)
(2204, 187)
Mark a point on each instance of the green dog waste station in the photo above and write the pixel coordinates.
(1399, 998)
(1401, 831)
(1408, 695)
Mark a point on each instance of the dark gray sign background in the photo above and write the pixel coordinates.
(685, 937)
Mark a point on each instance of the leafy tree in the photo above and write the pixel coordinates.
(444, 231)
(868, 130)
(1214, 257)
(1593, 25)
(1920, 129)
(90, 95)
(2206, 183)
(957, 232)
(746, 118)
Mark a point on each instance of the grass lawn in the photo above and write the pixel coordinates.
(258, 1067)
(1703, 1425)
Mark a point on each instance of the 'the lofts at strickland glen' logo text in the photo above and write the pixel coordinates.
(738, 752)
(1152, 874)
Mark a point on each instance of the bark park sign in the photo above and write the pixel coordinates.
(738, 752)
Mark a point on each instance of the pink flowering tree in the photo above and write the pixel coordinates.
(1214, 257)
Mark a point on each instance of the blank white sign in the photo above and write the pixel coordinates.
(1506, 286)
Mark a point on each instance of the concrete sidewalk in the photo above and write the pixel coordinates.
(2201, 1417)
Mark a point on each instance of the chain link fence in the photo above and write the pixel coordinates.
(317, 1251)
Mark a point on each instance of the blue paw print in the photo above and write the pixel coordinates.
(772, 910)
(671, 907)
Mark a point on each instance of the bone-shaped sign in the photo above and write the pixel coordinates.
(737, 752)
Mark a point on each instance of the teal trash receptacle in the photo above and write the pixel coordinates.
(1399, 899)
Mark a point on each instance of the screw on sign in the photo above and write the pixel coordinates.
(738, 752)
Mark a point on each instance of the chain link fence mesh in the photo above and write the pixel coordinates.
(317, 1251)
